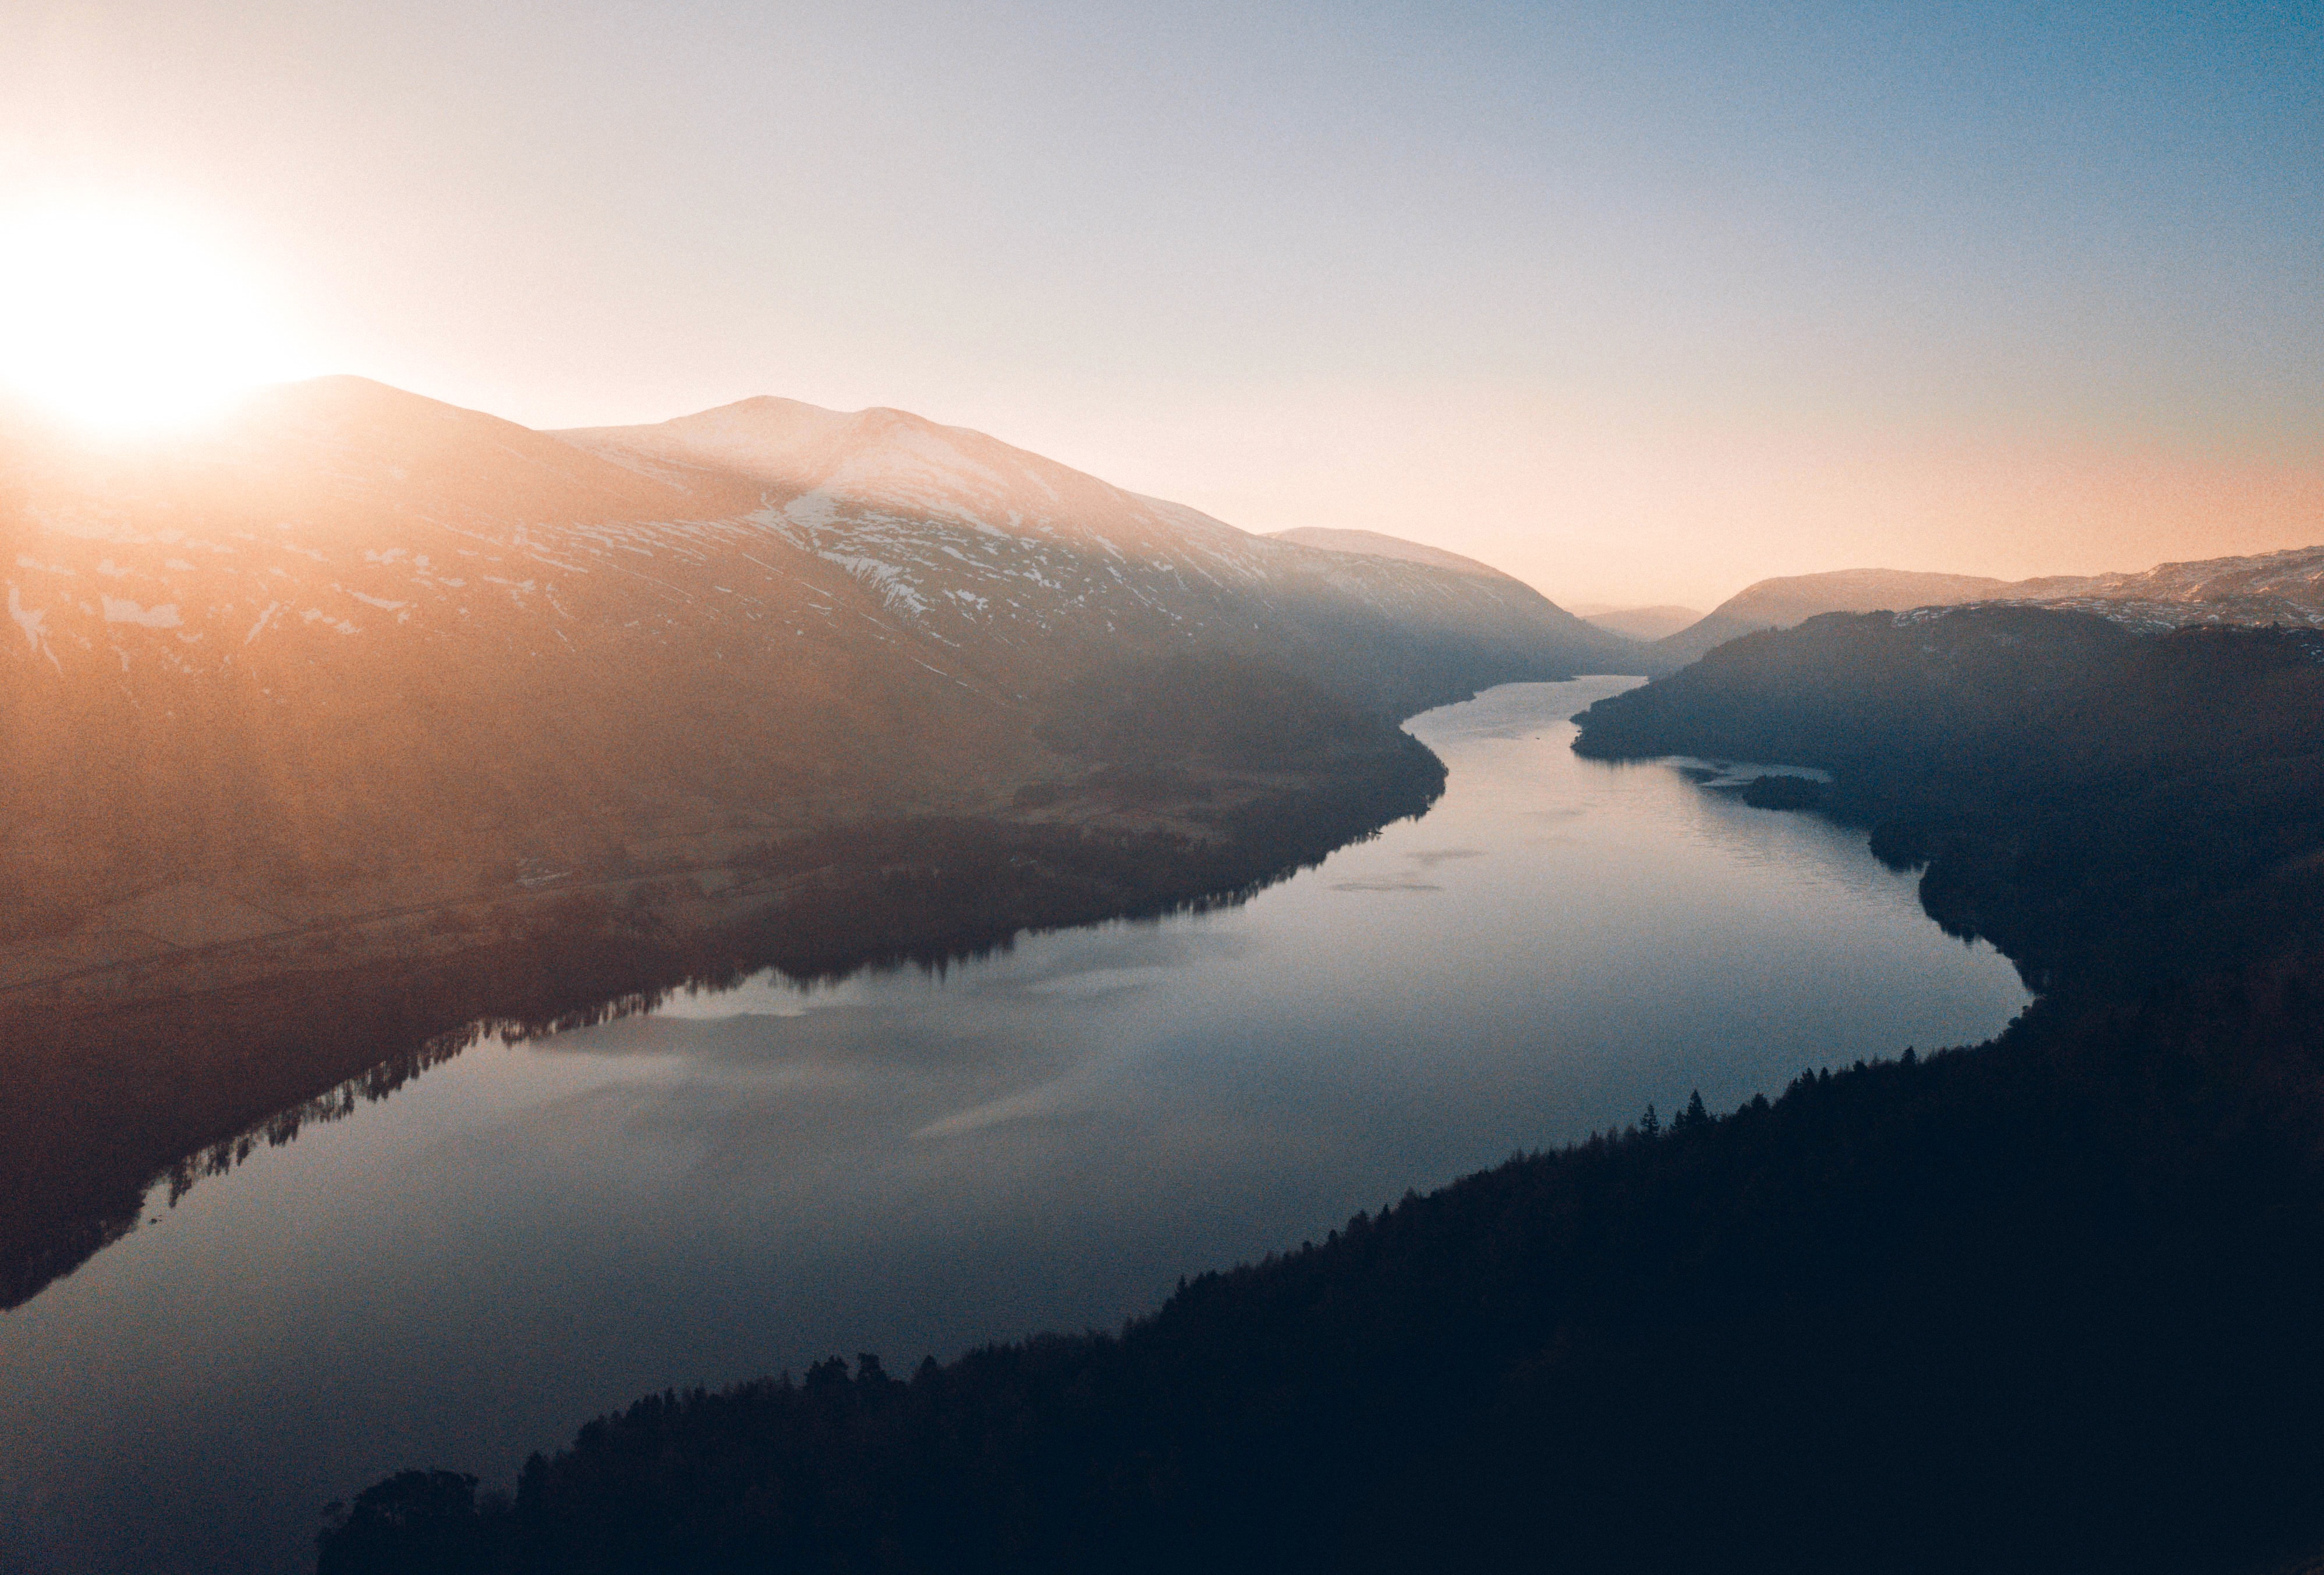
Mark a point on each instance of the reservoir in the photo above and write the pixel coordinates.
(913, 1163)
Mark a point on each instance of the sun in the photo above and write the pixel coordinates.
(124, 320)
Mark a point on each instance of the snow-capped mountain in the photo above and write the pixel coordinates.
(351, 625)
(2277, 587)
(994, 552)
(2272, 588)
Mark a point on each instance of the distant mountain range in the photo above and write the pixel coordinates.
(362, 648)
(358, 650)
(2271, 589)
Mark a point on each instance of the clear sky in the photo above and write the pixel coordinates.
(1639, 302)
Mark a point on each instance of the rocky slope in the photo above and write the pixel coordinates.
(2284, 588)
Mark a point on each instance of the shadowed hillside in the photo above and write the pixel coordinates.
(2043, 1305)
(2105, 808)
(1778, 603)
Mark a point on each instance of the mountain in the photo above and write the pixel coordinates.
(1778, 603)
(1649, 623)
(1000, 554)
(1569, 624)
(357, 719)
(357, 628)
(355, 650)
(2108, 808)
(1373, 544)
(2284, 588)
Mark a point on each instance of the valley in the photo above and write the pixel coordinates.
(2038, 1302)
(896, 788)
(380, 731)
(465, 1250)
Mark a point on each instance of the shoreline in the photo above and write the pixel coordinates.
(112, 1092)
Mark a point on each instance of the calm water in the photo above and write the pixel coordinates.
(904, 1164)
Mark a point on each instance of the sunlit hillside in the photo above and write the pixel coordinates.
(356, 641)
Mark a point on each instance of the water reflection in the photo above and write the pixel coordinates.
(747, 1181)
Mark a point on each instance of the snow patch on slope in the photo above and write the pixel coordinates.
(120, 610)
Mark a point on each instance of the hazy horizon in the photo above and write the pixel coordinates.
(1641, 309)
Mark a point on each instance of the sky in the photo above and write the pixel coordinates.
(1641, 303)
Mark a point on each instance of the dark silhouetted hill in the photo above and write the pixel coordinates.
(2101, 804)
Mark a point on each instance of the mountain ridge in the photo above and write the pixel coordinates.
(2284, 586)
(862, 488)
(351, 634)
(1377, 544)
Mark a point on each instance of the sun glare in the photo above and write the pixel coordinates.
(123, 321)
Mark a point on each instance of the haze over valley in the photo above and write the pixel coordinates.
(901, 789)
(353, 730)
(364, 709)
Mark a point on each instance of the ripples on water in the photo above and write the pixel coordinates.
(906, 1162)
